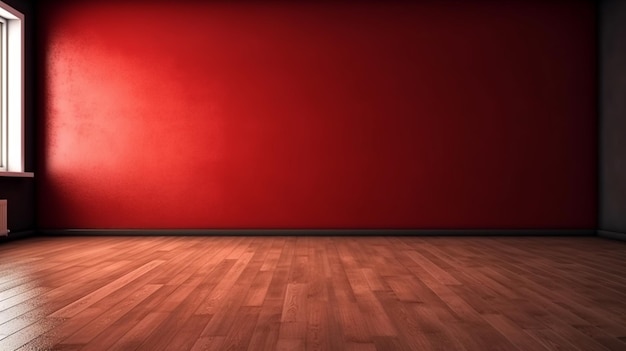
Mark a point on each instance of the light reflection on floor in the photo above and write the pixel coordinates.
(23, 309)
(29, 283)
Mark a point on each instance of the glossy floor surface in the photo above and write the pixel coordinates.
(313, 293)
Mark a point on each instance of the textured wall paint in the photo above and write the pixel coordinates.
(318, 115)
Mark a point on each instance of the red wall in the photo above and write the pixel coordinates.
(357, 114)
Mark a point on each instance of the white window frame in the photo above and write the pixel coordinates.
(12, 93)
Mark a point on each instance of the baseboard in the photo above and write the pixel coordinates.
(318, 232)
(611, 235)
(23, 234)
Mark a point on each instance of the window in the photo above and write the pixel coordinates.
(11, 90)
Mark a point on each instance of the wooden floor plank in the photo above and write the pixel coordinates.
(313, 293)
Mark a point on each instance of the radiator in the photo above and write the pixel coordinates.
(4, 231)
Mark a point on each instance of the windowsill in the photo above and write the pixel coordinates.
(17, 174)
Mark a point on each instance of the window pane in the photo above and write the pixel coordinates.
(3, 119)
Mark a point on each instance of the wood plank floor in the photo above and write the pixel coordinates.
(313, 293)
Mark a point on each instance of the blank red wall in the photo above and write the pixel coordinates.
(354, 114)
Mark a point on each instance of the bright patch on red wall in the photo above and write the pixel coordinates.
(318, 115)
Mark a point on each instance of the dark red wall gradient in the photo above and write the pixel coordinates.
(353, 114)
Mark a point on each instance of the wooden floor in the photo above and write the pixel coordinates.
(313, 293)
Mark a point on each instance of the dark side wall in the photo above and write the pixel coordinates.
(612, 204)
(318, 114)
(20, 192)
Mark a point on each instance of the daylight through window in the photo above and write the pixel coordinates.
(11, 89)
